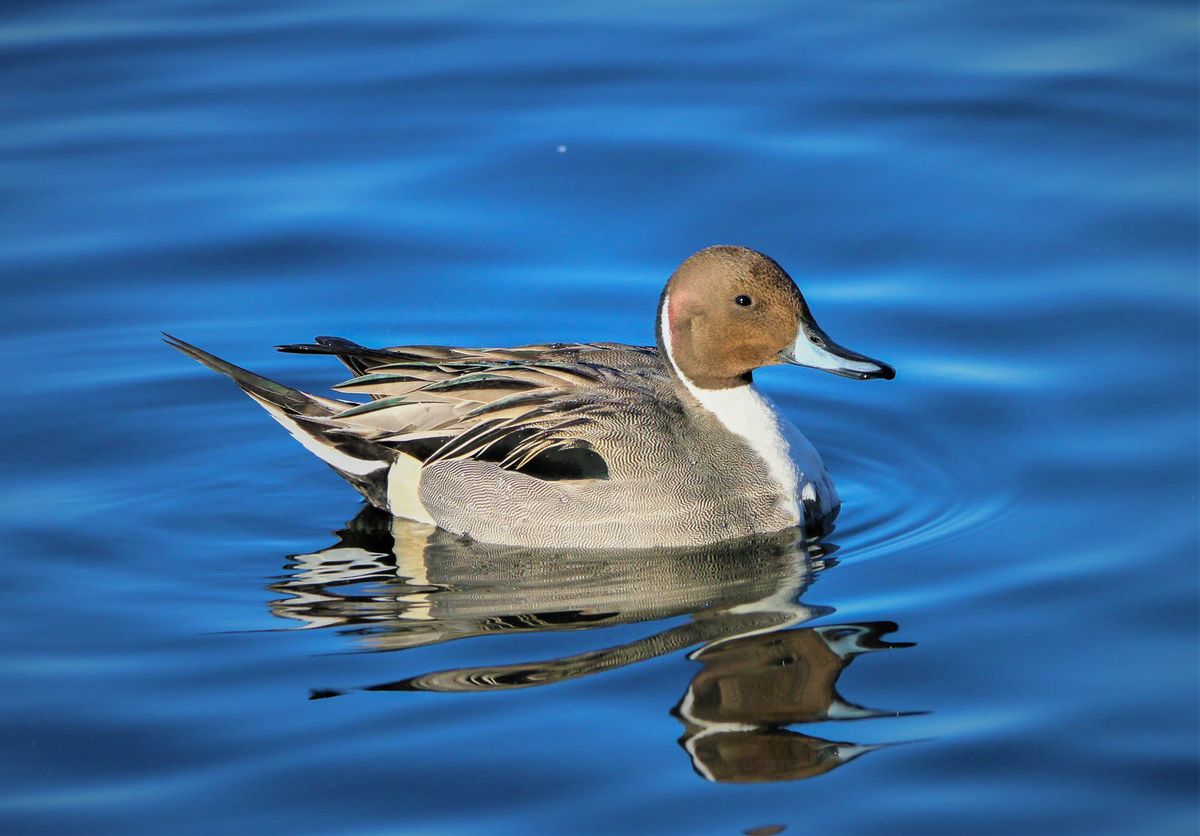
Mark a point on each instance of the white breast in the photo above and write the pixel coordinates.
(747, 413)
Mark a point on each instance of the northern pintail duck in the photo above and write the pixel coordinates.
(600, 445)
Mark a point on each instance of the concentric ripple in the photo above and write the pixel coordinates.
(902, 483)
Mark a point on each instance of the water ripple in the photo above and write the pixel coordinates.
(906, 482)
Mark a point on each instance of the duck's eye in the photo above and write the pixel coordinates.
(744, 300)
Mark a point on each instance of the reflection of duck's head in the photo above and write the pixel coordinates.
(768, 755)
(403, 584)
(752, 686)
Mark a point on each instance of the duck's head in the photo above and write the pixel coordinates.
(727, 311)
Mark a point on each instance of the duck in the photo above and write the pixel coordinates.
(586, 445)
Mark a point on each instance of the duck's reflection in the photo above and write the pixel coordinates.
(395, 585)
(736, 710)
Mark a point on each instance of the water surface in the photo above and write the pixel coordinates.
(998, 199)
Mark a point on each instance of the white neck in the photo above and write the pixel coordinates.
(751, 416)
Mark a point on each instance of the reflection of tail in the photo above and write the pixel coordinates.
(364, 463)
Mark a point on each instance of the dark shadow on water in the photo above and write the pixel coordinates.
(393, 585)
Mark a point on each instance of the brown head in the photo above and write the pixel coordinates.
(727, 311)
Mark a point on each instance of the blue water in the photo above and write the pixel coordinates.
(998, 198)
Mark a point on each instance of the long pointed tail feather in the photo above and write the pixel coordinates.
(364, 463)
(286, 397)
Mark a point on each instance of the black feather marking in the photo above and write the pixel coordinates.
(377, 378)
(458, 446)
(355, 357)
(534, 398)
(480, 380)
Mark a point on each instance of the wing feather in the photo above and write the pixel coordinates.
(515, 404)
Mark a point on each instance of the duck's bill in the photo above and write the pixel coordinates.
(814, 349)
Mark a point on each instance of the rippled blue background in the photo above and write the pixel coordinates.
(998, 198)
